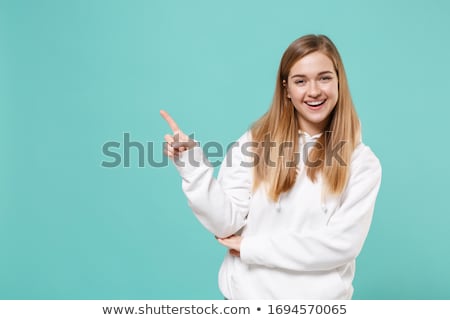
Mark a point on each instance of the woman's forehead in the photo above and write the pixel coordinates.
(312, 64)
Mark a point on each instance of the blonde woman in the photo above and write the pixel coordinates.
(294, 198)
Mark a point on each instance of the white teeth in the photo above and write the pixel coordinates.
(315, 103)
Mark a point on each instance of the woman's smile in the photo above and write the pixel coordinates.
(316, 104)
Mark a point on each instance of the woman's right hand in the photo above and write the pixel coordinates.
(178, 141)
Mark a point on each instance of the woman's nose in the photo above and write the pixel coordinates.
(314, 89)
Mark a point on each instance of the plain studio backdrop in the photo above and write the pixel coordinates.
(77, 222)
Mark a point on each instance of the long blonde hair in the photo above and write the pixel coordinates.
(280, 125)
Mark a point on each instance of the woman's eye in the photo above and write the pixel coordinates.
(326, 78)
(299, 81)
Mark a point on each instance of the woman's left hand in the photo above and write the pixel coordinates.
(233, 243)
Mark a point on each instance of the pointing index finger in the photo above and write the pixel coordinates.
(172, 124)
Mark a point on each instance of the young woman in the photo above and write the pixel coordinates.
(294, 199)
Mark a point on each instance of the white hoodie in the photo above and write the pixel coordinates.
(303, 246)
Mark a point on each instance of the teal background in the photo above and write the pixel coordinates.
(76, 74)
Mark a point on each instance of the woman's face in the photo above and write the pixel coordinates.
(312, 86)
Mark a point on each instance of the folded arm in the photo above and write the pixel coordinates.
(333, 244)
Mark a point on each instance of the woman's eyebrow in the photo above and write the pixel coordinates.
(303, 76)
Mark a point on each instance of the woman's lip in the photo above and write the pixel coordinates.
(317, 106)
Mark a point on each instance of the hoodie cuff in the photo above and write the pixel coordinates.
(189, 161)
(250, 250)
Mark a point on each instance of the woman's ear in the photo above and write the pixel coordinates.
(285, 87)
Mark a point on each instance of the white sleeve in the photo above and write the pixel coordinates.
(334, 244)
(221, 204)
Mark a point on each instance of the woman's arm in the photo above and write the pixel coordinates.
(221, 205)
(334, 244)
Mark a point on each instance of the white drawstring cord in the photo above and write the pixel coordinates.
(278, 205)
